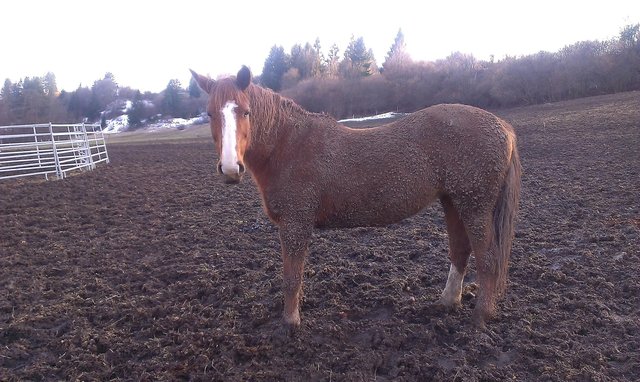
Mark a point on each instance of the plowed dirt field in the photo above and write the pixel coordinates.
(151, 269)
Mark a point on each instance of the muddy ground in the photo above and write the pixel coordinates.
(151, 269)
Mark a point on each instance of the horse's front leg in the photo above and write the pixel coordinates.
(294, 238)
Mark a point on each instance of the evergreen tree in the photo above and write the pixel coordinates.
(52, 105)
(305, 59)
(276, 64)
(320, 67)
(50, 86)
(103, 92)
(397, 57)
(630, 36)
(5, 103)
(4, 113)
(35, 100)
(136, 112)
(358, 60)
(16, 102)
(5, 93)
(194, 89)
(79, 100)
(333, 61)
(172, 101)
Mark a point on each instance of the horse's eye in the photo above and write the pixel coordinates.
(246, 113)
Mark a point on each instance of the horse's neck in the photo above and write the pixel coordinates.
(273, 118)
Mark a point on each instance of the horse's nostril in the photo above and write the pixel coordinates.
(240, 168)
(220, 168)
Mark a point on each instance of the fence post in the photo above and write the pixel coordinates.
(104, 143)
(59, 172)
(35, 139)
(75, 146)
(88, 148)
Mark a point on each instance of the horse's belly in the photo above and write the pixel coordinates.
(370, 213)
(360, 220)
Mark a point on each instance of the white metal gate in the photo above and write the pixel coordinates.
(50, 149)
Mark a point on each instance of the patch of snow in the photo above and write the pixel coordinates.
(116, 125)
(121, 123)
(117, 107)
(390, 114)
(176, 123)
(172, 123)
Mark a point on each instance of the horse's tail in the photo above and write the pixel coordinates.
(504, 216)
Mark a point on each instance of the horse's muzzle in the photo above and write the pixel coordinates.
(232, 177)
(229, 179)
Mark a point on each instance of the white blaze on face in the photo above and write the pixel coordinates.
(229, 155)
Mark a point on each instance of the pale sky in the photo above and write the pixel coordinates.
(147, 43)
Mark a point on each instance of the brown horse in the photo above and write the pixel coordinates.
(312, 171)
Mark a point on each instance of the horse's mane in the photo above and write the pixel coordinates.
(271, 113)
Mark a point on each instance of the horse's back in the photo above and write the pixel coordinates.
(467, 148)
(458, 130)
(446, 122)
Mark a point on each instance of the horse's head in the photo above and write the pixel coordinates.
(228, 110)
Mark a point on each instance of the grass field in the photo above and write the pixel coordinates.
(191, 133)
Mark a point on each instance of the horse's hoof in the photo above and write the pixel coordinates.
(448, 306)
(479, 322)
(285, 332)
(291, 324)
(291, 329)
(292, 319)
(480, 318)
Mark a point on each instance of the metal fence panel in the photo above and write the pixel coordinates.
(50, 149)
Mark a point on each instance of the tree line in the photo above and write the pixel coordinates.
(353, 83)
(37, 100)
(356, 85)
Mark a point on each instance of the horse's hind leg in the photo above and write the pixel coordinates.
(480, 232)
(459, 251)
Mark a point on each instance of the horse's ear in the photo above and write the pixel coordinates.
(205, 83)
(243, 79)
